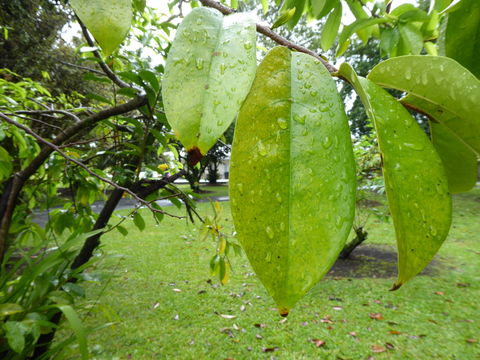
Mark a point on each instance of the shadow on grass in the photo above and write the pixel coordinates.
(376, 261)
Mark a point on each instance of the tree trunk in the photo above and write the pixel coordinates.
(360, 237)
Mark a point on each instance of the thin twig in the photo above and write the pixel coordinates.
(95, 71)
(265, 30)
(108, 72)
(68, 158)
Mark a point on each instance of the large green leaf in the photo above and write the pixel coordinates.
(415, 179)
(459, 159)
(461, 38)
(292, 175)
(442, 82)
(108, 20)
(330, 29)
(208, 73)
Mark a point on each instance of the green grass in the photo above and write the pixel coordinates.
(431, 317)
(208, 190)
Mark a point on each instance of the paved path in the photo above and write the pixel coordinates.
(41, 217)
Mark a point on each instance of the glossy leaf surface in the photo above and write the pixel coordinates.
(416, 184)
(459, 159)
(108, 20)
(461, 38)
(292, 175)
(442, 82)
(208, 73)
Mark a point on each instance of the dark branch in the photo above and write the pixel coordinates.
(272, 35)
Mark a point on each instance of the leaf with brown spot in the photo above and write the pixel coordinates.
(318, 343)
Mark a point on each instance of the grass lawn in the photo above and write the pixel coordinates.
(165, 307)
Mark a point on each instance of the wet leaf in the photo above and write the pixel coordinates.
(208, 73)
(108, 21)
(459, 159)
(416, 184)
(441, 82)
(292, 175)
(461, 38)
(271, 349)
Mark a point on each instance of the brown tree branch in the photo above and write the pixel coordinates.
(79, 163)
(265, 30)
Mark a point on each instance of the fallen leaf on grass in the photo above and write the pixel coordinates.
(395, 332)
(318, 343)
(352, 333)
(472, 341)
(284, 320)
(176, 317)
(202, 292)
(326, 320)
(156, 305)
(260, 325)
(389, 346)
(177, 290)
(337, 308)
(272, 349)
(225, 316)
(378, 349)
(463, 284)
(439, 293)
(376, 316)
(259, 337)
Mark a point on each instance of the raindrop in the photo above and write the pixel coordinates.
(433, 231)
(220, 122)
(269, 232)
(282, 226)
(327, 142)
(417, 146)
(299, 119)
(199, 63)
(223, 67)
(247, 45)
(268, 258)
(262, 150)
(408, 73)
(313, 93)
(240, 188)
(278, 197)
(282, 123)
(424, 78)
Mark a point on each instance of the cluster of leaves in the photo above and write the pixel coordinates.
(220, 264)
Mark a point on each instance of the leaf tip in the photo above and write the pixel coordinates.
(283, 312)
(194, 156)
(396, 286)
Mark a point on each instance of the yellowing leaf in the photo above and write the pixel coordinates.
(416, 184)
(108, 20)
(292, 175)
(208, 73)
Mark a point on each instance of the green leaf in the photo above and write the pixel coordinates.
(10, 309)
(459, 160)
(440, 5)
(138, 221)
(356, 7)
(6, 165)
(264, 6)
(415, 181)
(348, 31)
(442, 82)
(285, 16)
(331, 27)
(108, 21)
(139, 5)
(292, 175)
(122, 230)
(389, 39)
(461, 38)
(329, 5)
(15, 332)
(208, 73)
(150, 78)
(77, 327)
(412, 38)
(317, 7)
